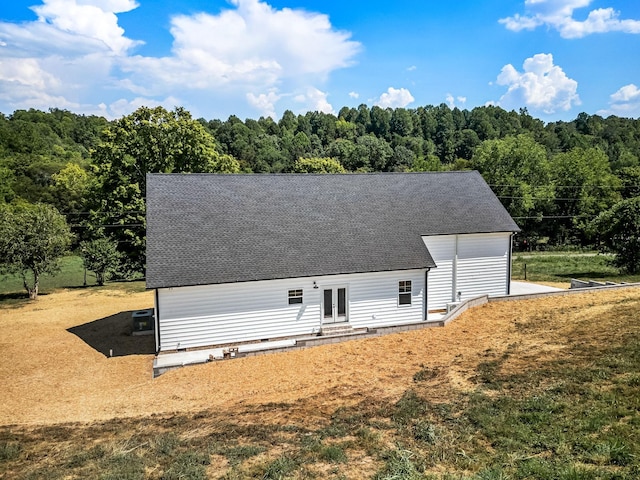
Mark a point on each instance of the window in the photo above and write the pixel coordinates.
(295, 296)
(404, 292)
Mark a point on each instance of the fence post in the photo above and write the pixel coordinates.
(525, 271)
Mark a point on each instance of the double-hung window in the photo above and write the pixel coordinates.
(295, 296)
(404, 292)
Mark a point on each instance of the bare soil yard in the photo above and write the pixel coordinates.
(55, 365)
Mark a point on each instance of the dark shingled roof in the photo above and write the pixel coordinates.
(207, 228)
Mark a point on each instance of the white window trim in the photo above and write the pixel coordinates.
(404, 292)
(297, 293)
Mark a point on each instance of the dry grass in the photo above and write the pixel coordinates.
(51, 375)
(68, 410)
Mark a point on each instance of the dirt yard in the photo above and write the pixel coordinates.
(55, 365)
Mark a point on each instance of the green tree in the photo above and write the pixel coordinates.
(584, 187)
(630, 179)
(150, 140)
(6, 184)
(33, 237)
(518, 172)
(370, 154)
(101, 257)
(619, 230)
(345, 129)
(318, 165)
(70, 187)
(428, 163)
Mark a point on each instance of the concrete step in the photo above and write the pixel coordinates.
(339, 329)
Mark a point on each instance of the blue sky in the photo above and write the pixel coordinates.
(253, 58)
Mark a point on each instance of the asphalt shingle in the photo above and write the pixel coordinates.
(207, 228)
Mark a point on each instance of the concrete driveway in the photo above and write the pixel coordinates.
(523, 288)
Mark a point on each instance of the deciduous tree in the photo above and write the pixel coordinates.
(101, 257)
(318, 165)
(32, 240)
(150, 140)
(619, 230)
(518, 171)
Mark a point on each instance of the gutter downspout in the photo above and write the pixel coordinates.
(454, 273)
(425, 300)
(157, 321)
(509, 266)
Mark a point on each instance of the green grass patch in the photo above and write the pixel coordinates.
(71, 275)
(562, 267)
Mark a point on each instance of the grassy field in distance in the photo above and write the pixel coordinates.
(71, 275)
(561, 267)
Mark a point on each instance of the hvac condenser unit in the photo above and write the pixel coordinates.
(143, 321)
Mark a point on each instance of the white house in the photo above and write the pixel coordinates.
(239, 258)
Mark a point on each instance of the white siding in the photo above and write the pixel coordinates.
(374, 298)
(440, 279)
(483, 261)
(227, 313)
(472, 264)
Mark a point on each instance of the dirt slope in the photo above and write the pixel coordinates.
(56, 367)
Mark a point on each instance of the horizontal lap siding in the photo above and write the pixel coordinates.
(374, 299)
(472, 264)
(483, 261)
(216, 314)
(440, 280)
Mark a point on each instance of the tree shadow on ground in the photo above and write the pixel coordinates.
(112, 336)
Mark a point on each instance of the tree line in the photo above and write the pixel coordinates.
(565, 183)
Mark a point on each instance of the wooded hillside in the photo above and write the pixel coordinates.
(553, 178)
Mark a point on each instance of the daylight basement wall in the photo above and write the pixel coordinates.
(200, 316)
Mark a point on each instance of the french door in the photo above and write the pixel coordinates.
(334, 305)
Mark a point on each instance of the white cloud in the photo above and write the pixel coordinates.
(315, 100)
(451, 101)
(124, 107)
(264, 103)
(541, 86)
(624, 103)
(78, 54)
(558, 14)
(354, 95)
(412, 68)
(395, 98)
(253, 45)
(626, 94)
(91, 19)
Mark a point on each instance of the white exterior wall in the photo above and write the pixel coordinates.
(440, 279)
(472, 264)
(483, 264)
(218, 314)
